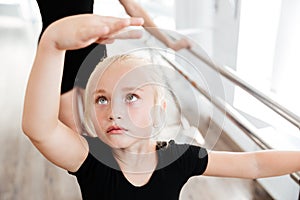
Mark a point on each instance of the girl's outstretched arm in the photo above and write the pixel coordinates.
(253, 165)
(54, 140)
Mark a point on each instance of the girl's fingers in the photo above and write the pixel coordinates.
(128, 34)
(81, 30)
(107, 41)
(114, 29)
(120, 23)
(94, 33)
(131, 34)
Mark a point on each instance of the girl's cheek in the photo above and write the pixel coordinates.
(141, 118)
(97, 118)
(99, 112)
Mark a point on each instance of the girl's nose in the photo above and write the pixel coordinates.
(114, 117)
(115, 112)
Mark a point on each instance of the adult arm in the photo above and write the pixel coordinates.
(133, 9)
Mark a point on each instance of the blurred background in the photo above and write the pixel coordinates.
(247, 52)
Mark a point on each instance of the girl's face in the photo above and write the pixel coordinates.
(124, 103)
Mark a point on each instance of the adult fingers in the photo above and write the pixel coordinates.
(136, 21)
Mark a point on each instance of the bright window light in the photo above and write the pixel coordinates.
(268, 59)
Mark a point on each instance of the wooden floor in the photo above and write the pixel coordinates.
(25, 174)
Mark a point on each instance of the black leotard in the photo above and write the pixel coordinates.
(52, 10)
(100, 177)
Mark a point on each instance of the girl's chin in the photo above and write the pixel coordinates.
(118, 146)
(119, 143)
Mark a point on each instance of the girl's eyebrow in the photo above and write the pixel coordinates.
(126, 89)
(99, 91)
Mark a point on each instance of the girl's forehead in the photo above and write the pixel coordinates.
(130, 73)
(127, 65)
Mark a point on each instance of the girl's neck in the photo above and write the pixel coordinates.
(139, 158)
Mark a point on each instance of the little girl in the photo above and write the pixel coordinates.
(124, 108)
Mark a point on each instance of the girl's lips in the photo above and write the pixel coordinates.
(115, 130)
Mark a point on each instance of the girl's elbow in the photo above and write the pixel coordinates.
(29, 127)
(26, 127)
(24, 124)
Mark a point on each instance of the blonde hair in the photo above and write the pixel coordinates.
(93, 80)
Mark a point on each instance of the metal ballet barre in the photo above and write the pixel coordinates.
(231, 113)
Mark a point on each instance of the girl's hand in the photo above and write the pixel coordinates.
(79, 31)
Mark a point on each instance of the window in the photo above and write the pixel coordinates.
(267, 56)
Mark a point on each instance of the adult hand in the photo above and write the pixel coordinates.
(180, 44)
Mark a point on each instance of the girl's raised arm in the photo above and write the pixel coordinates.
(58, 143)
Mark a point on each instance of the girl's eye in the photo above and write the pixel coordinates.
(102, 100)
(131, 98)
